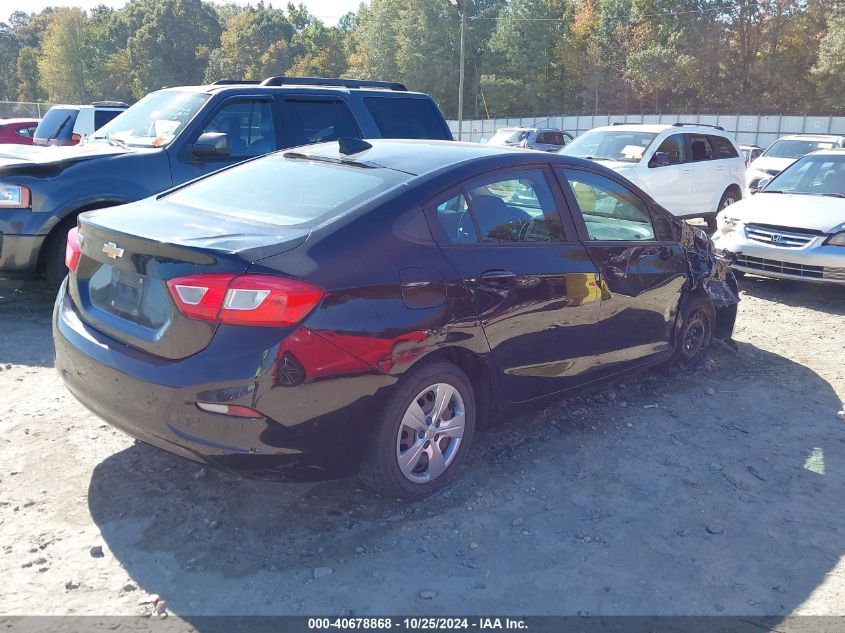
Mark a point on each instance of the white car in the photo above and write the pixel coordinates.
(692, 170)
(794, 227)
(785, 151)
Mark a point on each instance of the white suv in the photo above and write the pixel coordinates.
(69, 124)
(692, 170)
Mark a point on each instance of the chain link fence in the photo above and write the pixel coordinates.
(747, 129)
(23, 109)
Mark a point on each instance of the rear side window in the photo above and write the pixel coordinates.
(699, 147)
(286, 191)
(101, 117)
(318, 120)
(26, 131)
(404, 117)
(722, 147)
(57, 124)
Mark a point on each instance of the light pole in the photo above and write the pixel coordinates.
(457, 5)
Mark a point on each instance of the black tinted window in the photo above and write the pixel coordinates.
(318, 120)
(249, 126)
(57, 123)
(101, 117)
(722, 147)
(404, 117)
(699, 147)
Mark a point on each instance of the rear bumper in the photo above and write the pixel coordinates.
(311, 430)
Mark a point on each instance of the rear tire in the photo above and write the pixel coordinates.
(424, 433)
(698, 320)
(54, 254)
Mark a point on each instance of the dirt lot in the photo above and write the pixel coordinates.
(717, 492)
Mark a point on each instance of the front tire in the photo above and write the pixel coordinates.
(698, 320)
(424, 433)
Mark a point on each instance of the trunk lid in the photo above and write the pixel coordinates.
(128, 253)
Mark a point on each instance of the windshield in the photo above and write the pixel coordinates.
(152, 122)
(287, 191)
(815, 175)
(618, 145)
(508, 136)
(796, 148)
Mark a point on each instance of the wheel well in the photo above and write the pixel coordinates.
(480, 376)
(70, 216)
(736, 189)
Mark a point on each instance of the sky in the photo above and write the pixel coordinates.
(329, 11)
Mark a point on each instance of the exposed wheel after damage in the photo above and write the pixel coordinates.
(424, 434)
(694, 334)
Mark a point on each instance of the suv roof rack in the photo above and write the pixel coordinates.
(230, 82)
(110, 104)
(683, 123)
(326, 81)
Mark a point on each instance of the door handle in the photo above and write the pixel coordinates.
(687, 171)
(612, 272)
(498, 276)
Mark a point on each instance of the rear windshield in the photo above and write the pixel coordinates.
(508, 136)
(57, 124)
(290, 192)
(398, 117)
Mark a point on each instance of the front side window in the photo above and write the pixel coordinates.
(318, 120)
(249, 126)
(611, 211)
(673, 146)
(615, 145)
(152, 122)
(27, 132)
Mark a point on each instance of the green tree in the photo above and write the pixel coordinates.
(9, 48)
(254, 45)
(830, 67)
(61, 66)
(172, 45)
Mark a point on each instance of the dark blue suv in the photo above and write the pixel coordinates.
(177, 134)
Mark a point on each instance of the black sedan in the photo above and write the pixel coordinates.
(369, 305)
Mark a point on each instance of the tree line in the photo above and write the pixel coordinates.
(522, 57)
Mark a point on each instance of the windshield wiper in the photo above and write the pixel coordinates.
(59, 129)
(600, 158)
(833, 194)
(773, 191)
(108, 138)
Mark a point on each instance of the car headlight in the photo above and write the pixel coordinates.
(14, 197)
(837, 239)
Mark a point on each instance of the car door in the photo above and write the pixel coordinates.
(642, 267)
(249, 124)
(703, 173)
(530, 280)
(670, 183)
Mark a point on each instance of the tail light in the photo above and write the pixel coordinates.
(260, 300)
(73, 249)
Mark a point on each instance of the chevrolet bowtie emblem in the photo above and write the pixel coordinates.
(112, 250)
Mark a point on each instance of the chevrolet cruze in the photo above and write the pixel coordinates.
(367, 306)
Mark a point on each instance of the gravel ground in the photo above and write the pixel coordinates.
(714, 492)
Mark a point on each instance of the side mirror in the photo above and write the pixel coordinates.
(211, 144)
(660, 159)
(754, 187)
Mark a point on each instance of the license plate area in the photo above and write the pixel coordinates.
(127, 293)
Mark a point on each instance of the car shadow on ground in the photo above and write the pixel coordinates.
(25, 315)
(827, 298)
(722, 503)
